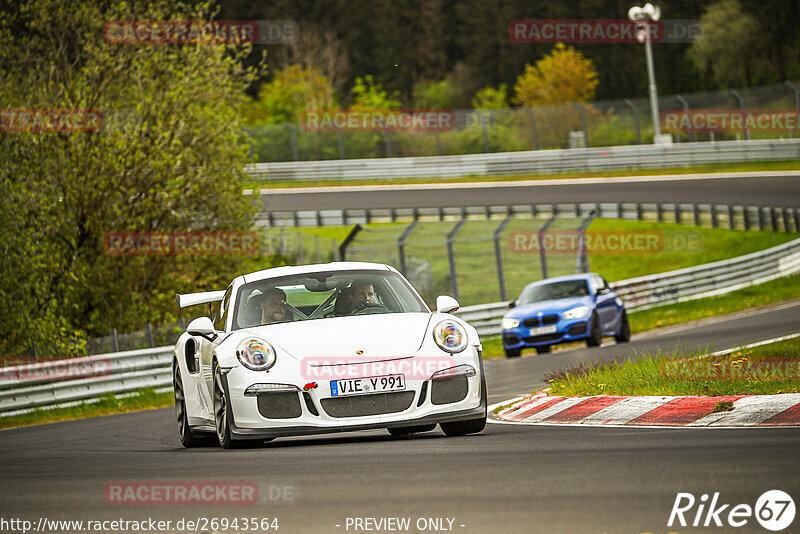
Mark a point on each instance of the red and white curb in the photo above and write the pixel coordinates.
(748, 410)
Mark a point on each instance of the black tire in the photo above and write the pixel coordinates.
(544, 349)
(513, 353)
(595, 333)
(470, 426)
(186, 435)
(407, 430)
(222, 411)
(624, 330)
(462, 428)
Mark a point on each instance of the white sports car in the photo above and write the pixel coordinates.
(325, 348)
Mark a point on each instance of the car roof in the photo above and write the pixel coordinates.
(289, 270)
(579, 276)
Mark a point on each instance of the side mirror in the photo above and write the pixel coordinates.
(446, 304)
(512, 304)
(203, 327)
(604, 290)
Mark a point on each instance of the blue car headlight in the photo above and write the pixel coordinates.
(256, 354)
(509, 323)
(450, 336)
(576, 313)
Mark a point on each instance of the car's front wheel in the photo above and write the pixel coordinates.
(595, 332)
(222, 411)
(543, 349)
(462, 428)
(624, 329)
(185, 434)
(513, 353)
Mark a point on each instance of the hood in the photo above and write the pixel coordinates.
(546, 307)
(384, 336)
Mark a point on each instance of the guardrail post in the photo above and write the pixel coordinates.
(741, 108)
(340, 141)
(534, 133)
(696, 214)
(401, 245)
(583, 122)
(582, 261)
(148, 333)
(685, 104)
(677, 211)
(540, 236)
(746, 216)
(712, 208)
(293, 140)
(731, 214)
(114, 340)
(660, 212)
(484, 130)
(620, 211)
(796, 220)
(451, 255)
(639, 212)
(348, 240)
(773, 219)
(388, 142)
(498, 255)
(796, 92)
(635, 120)
(760, 210)
(786, 225)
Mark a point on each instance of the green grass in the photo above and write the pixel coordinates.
(765, 370)
(720, 167)
(145, 399)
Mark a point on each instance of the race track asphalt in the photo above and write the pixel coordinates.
(517, 479)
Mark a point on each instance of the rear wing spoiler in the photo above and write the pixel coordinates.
(191, 299)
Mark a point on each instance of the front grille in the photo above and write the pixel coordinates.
(577, 329)
(533, 321)
(547, 319)
(363, 405)
(544, 338)
(449, 390)
(550, 319)
(279, 405)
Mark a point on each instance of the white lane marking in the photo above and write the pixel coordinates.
(757, 344)
(522, 183)
(625, 410)
(751, 410)
(554, 409)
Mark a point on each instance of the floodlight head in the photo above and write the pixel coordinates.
(647, 12)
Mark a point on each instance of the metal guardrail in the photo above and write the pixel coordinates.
(675, 286)
(24, 387)
(531, 161)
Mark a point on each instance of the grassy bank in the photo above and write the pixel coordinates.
(145, 399)
(764, 370)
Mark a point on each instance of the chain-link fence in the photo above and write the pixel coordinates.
(570, 125)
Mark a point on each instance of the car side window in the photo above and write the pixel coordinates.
(219, 323)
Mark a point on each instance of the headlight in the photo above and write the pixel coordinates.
(255, 354)
(576, 313)
(450, 336)
(510, 323)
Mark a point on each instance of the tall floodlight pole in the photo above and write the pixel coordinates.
(642, 16)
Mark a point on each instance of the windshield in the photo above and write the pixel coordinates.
(323, 295)
(556, 290)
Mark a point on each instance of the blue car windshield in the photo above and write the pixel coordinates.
(554, 291)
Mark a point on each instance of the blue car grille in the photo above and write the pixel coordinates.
(534, 321)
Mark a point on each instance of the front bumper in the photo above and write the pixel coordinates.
(566, 330)
(314, 411)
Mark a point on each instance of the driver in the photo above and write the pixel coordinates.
(362, 291)
(273, 306)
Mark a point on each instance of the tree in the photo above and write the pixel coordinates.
(292, 91)
(564, 75)
(168, 158)
(728, 45)
(491, 98)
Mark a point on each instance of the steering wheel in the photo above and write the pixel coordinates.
(365, 307)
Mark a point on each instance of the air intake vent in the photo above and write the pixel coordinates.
(279, 405)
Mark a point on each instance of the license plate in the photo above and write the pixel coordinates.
(374, 384)
(551, 329)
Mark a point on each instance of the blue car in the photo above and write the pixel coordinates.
(564, 309)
